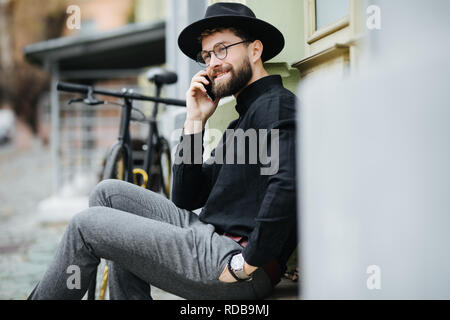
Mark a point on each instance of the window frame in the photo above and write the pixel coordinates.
(312, 35)
(332, 44)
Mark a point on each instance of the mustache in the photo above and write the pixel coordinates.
(221, 70)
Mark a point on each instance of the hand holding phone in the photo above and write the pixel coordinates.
(200, 106)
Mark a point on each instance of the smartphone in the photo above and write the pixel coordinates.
(208, 88)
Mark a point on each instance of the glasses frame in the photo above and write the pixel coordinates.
(202, 62)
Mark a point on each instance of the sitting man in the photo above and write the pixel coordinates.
(238, 246)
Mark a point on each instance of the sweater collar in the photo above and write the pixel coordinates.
(254, 90)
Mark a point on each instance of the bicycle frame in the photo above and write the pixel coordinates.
(153, 131)
(124, 139)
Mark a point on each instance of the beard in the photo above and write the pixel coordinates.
(238, 80)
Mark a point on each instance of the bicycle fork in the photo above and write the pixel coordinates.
(125, 141)
(151, 133)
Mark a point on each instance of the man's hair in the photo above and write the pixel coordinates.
(243, 34)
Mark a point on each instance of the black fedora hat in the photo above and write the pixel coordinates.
(236, 15)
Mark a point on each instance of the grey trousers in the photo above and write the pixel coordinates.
(146, 240)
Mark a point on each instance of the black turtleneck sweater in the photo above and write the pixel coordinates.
(242, 199)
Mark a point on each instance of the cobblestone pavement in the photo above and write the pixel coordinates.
(26, 246)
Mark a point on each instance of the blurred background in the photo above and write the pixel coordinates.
(371, 77)
(52, 153)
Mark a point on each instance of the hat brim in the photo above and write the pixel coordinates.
(271, 37)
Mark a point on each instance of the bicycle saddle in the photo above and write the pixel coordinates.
(161, 76)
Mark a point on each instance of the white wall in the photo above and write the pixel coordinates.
(374, 165)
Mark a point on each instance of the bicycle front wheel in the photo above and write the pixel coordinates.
(116, 164)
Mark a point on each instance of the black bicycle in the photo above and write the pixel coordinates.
(119, 162)
(154, 172)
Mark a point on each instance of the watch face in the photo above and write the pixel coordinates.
(237, 262)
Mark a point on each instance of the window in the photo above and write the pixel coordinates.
(330, 11)
(325, 17)
(331, 29)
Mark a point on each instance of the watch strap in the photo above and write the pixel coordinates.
(232, 271)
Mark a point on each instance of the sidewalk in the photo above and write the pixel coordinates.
(25, 245)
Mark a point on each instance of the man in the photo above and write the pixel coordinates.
(239, 244)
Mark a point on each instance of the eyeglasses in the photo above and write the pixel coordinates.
(220, 51)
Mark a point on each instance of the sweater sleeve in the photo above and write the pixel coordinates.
(192, 179)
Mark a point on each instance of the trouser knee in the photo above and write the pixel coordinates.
(79, 221)
(99, 195)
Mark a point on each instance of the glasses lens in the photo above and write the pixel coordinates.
(220, 51)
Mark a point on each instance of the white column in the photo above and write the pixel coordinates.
(55, 126)
(180, 13)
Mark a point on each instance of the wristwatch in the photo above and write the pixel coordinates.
(236, 268)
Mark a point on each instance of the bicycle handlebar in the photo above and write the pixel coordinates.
(79, 88)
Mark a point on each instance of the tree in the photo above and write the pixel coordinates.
(23, 22)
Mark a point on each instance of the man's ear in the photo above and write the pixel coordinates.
(257, 48)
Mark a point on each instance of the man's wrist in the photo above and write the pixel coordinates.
(193, 126)
(249, 269)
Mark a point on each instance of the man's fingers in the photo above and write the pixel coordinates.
(201, 73)
(199, 79)
(197, 87)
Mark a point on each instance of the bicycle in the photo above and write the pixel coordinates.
(119, 162)
(157, 160)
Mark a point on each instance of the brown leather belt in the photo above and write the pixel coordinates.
(271, 268)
